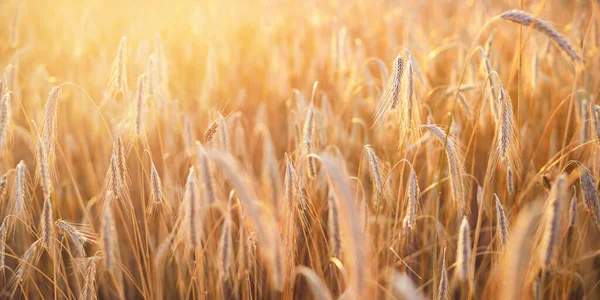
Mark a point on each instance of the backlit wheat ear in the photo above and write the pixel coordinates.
(192, 210)
(526, 19)
(4, 118)
(210, 131)
(107, 235)
(551, 223)
(270, 250)
(115, 173)
(270, 173)
(443, 290)
(505, 131)
(122, 163)
(516, 262)
(590, 194)
(293, 187)
(308, 132)
(89, 287)
(14, 32)
(22, 208)
(573, 209)
(157, 194)
(465, 106)
(501, 223)
(3, 84)
(46, 221)
(225, 245)
(290, 183)
(374, 162)
(206, 177)
(117, 81)
(507, 149)
(510, 184)
(157, 188)
(463, 252)
(151, 80)
(141, 95)
(479, 196)
(406, 229)
(410, 107)
(187, 132)
(596, 115)
(161, 62)
(223, 133)
(390, 98)
(333, 222)
(3, 236)
(121, 66)
(30, 258)
(455, 164)
(117, 176)
(78, 234)
(3, 185)
(50, 120)
(585, 121)
(492, 85)
(413, 199)
(351, 228)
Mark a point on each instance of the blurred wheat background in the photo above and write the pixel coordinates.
(299, 149)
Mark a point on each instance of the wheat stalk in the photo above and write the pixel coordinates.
(29, 258)
(22, 208)
(333, 222)
(78, 234)
(390, 99)
(501, 223)
(141, 94)
(525, 19)
(4, 118)
(596, 118)
(573, 209)
(374, 162)
(443, 289)
(455, 163)
(121, 65)
(3, 236)
(192, 210)
(50, 122)
(463, 251)
(107, 236)
(552, 220)
(151, 79)
(210, 131)
(225, 247)
(590, 194)
(89, 286)
(585, 121)
(206, 176)
(413, 199)
(308, 129)
(223, 133)
(510, 184)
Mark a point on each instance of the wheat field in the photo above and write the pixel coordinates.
(278, 149)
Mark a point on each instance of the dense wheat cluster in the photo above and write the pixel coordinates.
(272, 149)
